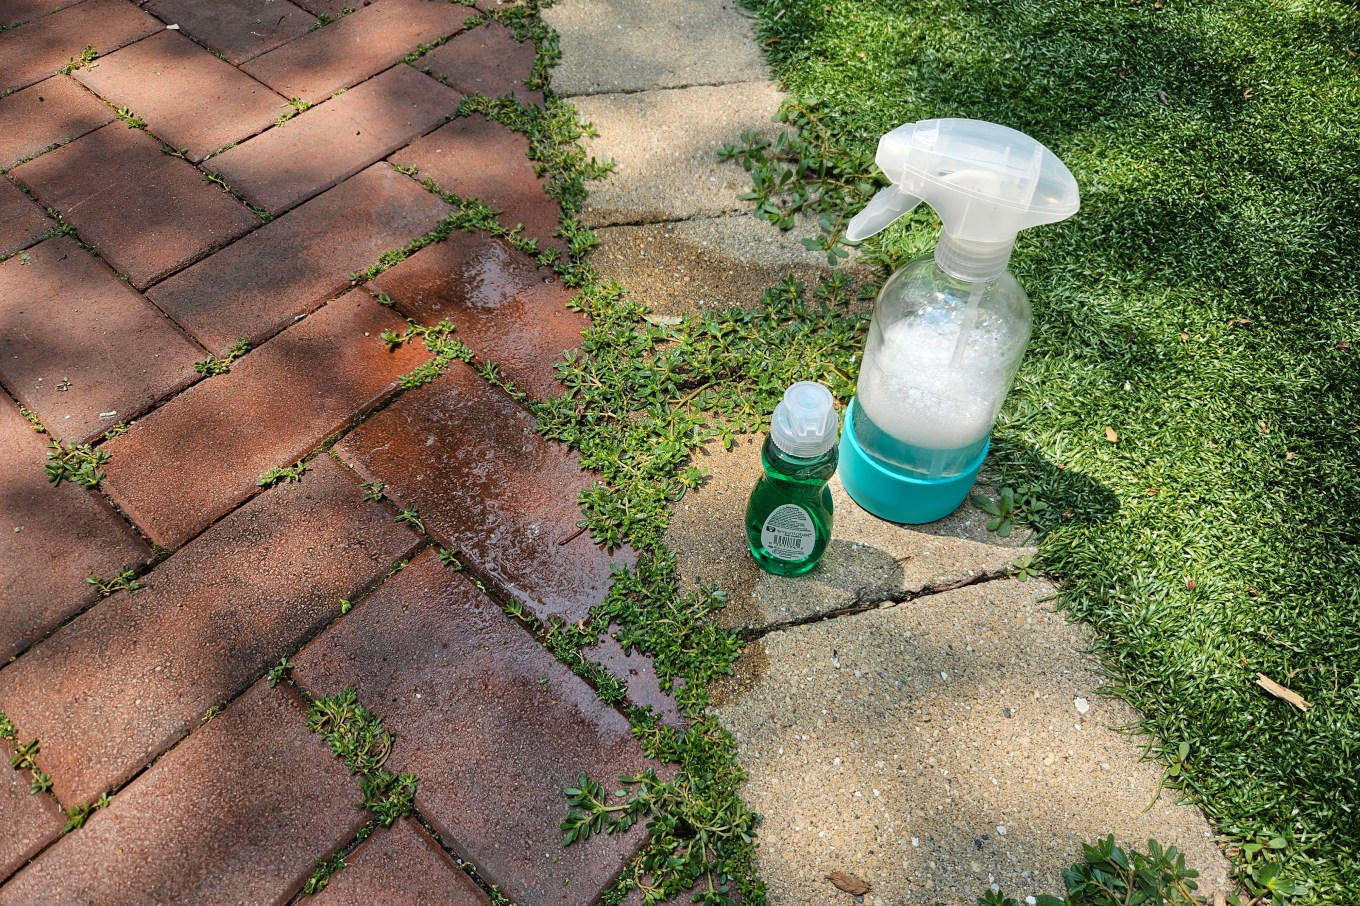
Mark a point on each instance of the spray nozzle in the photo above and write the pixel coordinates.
(986, 181)
(804, 423)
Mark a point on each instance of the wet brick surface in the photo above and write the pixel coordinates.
(486, 61)
(324, 145)
(51, 540)
(259, 285)
(468, 459)
(201, 454)
(474, 157)
(494, 726)
(22, 222)
(148, 213)
(240, 30)
(356, 46)
(125, 680)
(509, 310)
(400, 865)
(67, 322)
(238, 813)
(29, 820)
(52, 112)
(35, 51)
(169, 81)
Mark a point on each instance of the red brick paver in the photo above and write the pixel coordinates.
(14, 11)
(319, 148)
(35, 51)
(333, 8)
(147, 212)
(486, 61)
(51, 540)
(469, 460)
(79, 347)
(30, 821)
(171, 82)
(126, 679)
(240, 30)
(509, 310)
(356, 46)
(22, 222)
(237, 814)
(52, 112)
(474, 157)
(400, 865)
(201, 454)
(257, 286)
(493, 725)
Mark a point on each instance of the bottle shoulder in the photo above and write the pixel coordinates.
(921, 286)
(781, 466)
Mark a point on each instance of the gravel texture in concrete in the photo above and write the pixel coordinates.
(623, 45)
(937, 747)
(664, 146)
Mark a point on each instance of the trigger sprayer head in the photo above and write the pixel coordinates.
(987, 182)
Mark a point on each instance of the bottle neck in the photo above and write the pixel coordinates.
(972, 261)
(804, 470)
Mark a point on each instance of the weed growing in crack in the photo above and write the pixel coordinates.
(133, 120)
(282, 474)
(87, 56)
(410, 517)
(373, 490)
(357, 737)
(77, 815)
(78, 463)
(125, 580)
(279, 672)
(212, 366)
(321, 876)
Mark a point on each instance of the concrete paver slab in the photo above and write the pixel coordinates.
(620, 45)
(936, 747)
(240, 30)
(868, 560)
(698, 265)
(664, 146)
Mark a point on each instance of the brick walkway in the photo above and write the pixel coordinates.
(127, 265)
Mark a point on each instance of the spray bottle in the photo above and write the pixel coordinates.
(788, 517)
(948, 330)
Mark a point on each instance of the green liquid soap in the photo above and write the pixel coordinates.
(788, 518)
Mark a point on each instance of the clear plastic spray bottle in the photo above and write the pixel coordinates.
(788, 517)
(949, 329)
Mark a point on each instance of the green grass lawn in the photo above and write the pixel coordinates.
(1204, 304)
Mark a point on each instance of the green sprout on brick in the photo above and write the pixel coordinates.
(7, 730)
(282, 474)
(77, 463)
(212, 366)
(87, 56)
(298, 105)
(279, 672)
(77, 815)
(133, 120)
(32, 418)
(373, 490)
(450, 559)
(321, 876)
(410, 517)
(357, 737)
(125, 580)
(117, 430)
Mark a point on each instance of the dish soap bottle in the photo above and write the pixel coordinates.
(788, 518)
(949, 329)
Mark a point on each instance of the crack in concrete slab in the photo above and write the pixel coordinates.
(871, 599)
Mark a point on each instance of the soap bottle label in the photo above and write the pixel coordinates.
(788, 533)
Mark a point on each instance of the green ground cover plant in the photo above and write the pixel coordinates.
(1190, 404)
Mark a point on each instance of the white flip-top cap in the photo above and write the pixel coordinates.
(805, 421)
(986, 181)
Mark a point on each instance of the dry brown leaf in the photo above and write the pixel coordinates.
(848, 883)
(1280, 692)
(1111, 435)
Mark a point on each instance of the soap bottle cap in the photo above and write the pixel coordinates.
(805, 421)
